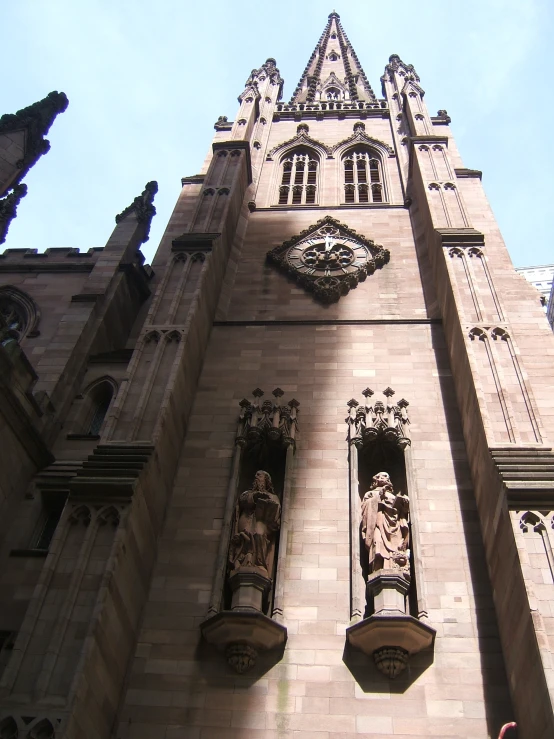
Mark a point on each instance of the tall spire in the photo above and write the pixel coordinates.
(333, 71)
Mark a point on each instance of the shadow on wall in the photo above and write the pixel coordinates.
(497, 700)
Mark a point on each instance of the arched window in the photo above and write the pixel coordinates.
(363, 178)
(101, 396)
(19, 316)
(90, 413)
(299, 179)
(333, 93)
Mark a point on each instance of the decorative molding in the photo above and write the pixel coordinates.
(8, 209)
(268, 69)
(329, 289)
(195, 179)
(527, 474)
(396, 65)
(337, 322)
(192, 242)
(142, 206)
(463, 172)
(36, 120)
(301, 139)
(360, 136)
(460, 237)
(26, 308)
(260, 418)
(370, 420)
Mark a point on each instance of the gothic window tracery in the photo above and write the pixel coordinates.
(19, 316)
(299, 179)
(363, 179)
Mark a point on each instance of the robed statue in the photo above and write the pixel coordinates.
(256, 524)
(384, 527)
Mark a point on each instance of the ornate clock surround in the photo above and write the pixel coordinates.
(328, 258)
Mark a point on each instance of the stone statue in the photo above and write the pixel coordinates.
(257, 521)
(385, 527)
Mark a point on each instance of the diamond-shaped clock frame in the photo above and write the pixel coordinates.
(328, 289)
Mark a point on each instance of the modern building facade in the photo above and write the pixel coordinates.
(542, 278)
(295, 480)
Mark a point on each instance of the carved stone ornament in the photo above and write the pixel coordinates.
(329, 259)
(259, 418)
(241, 657)
(361, 137)
(143, 207)
(268, 69)
(222, 124)
(302, 138)
(397, 65)
(36, 119)
(378, 417)
(8, 209)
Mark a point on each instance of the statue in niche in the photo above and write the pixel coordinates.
(385, 532)
(257, 521)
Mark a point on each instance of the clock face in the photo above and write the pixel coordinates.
(328, 253)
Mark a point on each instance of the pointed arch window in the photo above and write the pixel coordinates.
(19, 315)
(101, 397)
(299, 179)
(363, 177)
(89, 416)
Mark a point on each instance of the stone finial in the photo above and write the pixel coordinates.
(36, 119)
(143, 207)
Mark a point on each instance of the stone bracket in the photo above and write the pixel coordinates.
(390, 640)
(242, 634)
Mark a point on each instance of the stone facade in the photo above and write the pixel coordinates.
(199, 537)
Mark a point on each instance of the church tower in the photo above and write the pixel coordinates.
(298, 474)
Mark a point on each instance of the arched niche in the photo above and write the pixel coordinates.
(388, 614)
(246, 604)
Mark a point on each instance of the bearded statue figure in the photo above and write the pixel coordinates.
(257, 521)
(384, 529)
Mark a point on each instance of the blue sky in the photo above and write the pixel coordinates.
(146, 81)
